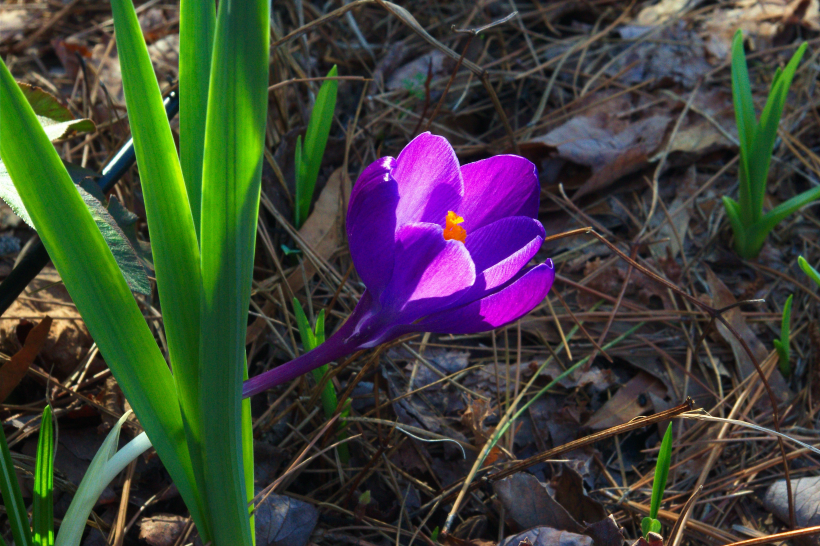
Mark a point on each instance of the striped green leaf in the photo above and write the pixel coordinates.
(43, 509)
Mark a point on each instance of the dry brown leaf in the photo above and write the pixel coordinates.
(722, 297)
(473, 418)
(284, 521)
(709, 125)
(627, 402)
(13, 371)
(68, 339)
(806, 493)
(162, 529)
(763, 21)
(656, 14)
(528, 503)
(674, 54)
(546, 536)
(413, 75)
(675, 226)
(322, 231)
(14, 22)
(611, 147)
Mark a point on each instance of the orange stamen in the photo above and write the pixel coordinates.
(452, 230)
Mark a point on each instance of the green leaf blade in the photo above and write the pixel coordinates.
(746, 122)
(197, 21)
(80, 253)
(231, 180)
(661, 472)
(170, 223)
(766, 133)
(809, 270)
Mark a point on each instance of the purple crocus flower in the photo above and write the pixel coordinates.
(441, 248)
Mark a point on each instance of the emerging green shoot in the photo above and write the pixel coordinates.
(309, 156)
(312, 338)
(43, 509)
(782, 345)
(757, 139)
(651, 523)
(809, 270)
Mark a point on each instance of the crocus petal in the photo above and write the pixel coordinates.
(508, 304)
(498, 187)
(371, 224)
(501, 249)
(429, 180)
(430, 273)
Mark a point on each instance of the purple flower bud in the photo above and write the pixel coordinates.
(441, 248)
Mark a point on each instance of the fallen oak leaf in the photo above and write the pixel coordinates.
(13, 371)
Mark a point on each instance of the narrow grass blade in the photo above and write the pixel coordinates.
(197, 21)
(43, 509)
(312, 338)
(809, 270)
(782, 345)
(12, 498)
(231, 177)
(315, 142)
(761, 152)
(305, 331)
(661, 473)
(746, 122)
(107, 306)
(170, 223)
(104, 467)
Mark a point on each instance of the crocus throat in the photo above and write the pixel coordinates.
(452, 230)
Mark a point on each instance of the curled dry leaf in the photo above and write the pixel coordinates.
(68, 339)
(13, 371)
